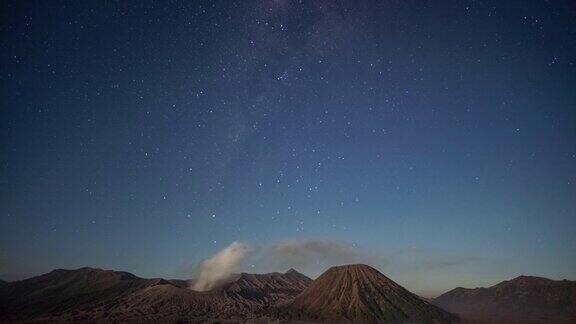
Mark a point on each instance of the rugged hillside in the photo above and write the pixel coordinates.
(520, 298)
(97, 295)
(181, 283)
(360, 294)
(62, 291)
(248, 296)
(266, 288)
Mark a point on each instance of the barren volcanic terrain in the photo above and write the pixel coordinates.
(343, 294)
(88, 294)
(361, 294)
(524, 298)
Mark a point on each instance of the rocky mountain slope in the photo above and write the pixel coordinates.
(521, 298)
(266, 288)
(344, 294)
(92, 295)
(247, 296)
(64, 291)
(361, 294)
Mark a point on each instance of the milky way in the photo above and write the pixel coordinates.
(436, 140)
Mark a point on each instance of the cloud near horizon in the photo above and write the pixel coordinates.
(314, 256)
(308, 256)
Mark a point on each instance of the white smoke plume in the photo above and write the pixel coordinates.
(310, 256)
(220, 266)
(314, 256)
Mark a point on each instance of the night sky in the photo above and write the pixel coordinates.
(435, 139)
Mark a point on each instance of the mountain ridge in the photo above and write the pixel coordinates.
(349, 293)
(523, 297)
(61, 291)
(361, 294)
(92, 294)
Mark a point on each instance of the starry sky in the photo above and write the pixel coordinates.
(439, 138)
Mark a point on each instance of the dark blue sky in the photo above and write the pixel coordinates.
(439, 138)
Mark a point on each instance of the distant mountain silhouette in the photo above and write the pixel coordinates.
(361, 294)
(246, 296)
(344, 294)
(88, 294)
(62, 291)
(521, 298)
(266, 288)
